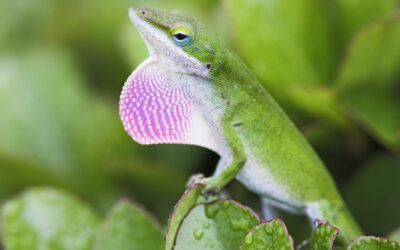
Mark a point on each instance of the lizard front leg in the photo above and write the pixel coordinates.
(228, 171)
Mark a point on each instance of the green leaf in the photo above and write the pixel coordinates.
(51, 120)
(129, 227)
(319, 101)
(17, 174)
(189, 199)
(373, 194)
(285, 42)
(269, 235)
(353, 15)
(373, 243)
(369, 81)
(322, 238)
(221, 225)
(48, 219)
(299, 43)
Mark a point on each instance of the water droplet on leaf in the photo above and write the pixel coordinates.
(268, 229)
(248, 239)
(225, 204)
(198, 234)
(322, 231)
(241, 224)
(211, 210)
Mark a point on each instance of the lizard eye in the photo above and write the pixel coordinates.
(182, 35)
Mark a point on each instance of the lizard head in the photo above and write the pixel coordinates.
(177, 41)
(156, 104)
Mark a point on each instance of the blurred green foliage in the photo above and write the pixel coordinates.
(51, 219)
(333, 65)
(48, 219)
(128, 227)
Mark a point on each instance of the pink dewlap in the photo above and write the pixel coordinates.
(154, 110)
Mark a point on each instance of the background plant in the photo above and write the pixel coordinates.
(333, 65)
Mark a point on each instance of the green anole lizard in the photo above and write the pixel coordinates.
(193, 90)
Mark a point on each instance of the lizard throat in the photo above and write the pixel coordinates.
(154, 109)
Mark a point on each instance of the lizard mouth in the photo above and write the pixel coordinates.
(153, 37)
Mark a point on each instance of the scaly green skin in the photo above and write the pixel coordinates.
(256, 131)
(275, 140)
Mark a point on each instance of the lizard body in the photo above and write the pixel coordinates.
(193, 90)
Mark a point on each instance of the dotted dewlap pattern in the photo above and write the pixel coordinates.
(154, 110)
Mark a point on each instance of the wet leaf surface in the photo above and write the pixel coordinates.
(373, 243)
(221, 225)
(321, 238)
(189, 199)
(48, 219)
(270, 235)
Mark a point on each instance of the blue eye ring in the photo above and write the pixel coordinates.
(182, 36)
(182, 39)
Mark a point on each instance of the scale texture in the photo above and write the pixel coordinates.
(154, 110)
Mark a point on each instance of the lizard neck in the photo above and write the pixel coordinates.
(159, 106)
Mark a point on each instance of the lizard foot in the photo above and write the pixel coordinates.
(210, 186)
(195, 179)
